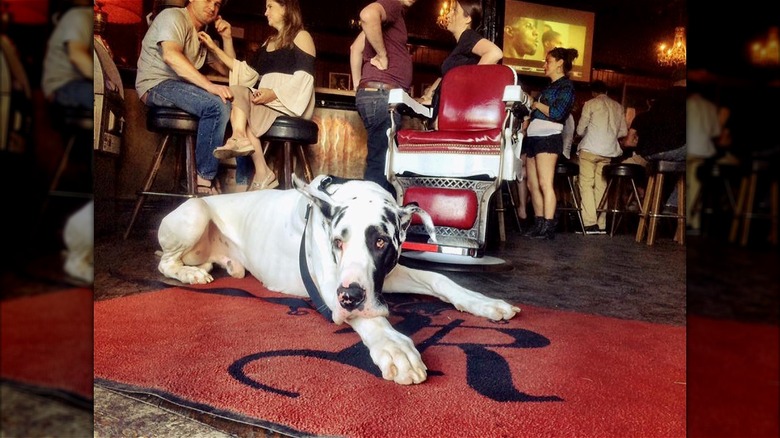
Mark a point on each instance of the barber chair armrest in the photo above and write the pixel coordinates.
(398, 96)
(514, 94)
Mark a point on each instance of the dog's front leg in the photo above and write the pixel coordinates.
(403, 279)
(393, 352)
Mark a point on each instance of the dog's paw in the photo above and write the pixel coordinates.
(493, 309)
(193, 275)
(399, 360)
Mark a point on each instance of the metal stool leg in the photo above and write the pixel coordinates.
(156, 163)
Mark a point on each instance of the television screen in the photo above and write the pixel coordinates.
(531, 30)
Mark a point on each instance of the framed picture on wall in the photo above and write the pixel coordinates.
(340, 81)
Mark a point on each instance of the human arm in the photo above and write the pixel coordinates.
(488, 52)
(371, 18)
(173, 55)
(584, 121)
(80, 55)
(356, 58)
(223, 64)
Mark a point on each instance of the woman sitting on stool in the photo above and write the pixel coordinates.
(284, 66)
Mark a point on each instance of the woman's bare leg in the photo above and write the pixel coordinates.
(537, 201)
(545, 171)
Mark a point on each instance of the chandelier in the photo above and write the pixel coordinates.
(673, 55)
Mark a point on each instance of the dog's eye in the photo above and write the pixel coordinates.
(338, 243)
(381, 242)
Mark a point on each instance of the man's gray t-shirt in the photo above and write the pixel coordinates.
(74, 25)
(171, 24)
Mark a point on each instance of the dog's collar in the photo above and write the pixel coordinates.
(308, 282)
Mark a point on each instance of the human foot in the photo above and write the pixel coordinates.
(234, 147)
(205, 187)
(269, 182)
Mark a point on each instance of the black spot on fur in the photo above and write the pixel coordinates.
(385, 258)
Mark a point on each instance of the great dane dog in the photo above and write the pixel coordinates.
(352, 243)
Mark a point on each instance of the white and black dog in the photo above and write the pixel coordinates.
(351, 232)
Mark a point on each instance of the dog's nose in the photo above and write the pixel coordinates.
(351, 297)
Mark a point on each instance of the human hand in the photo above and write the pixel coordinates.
(380, 62)
(222, 91)
(262, 96)
(206, 40)
(223, 28)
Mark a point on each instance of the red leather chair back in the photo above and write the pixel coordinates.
(471, 97)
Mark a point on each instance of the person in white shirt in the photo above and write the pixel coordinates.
(601, 124)
(702, 128)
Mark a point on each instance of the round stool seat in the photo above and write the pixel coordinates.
(74, 117)
(294, 129)
(624, 170)
(567, 168)
(664, 166)
(171, 119)
(716, 170)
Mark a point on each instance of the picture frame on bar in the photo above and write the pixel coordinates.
(340, 81)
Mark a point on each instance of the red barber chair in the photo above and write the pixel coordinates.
(453, 171)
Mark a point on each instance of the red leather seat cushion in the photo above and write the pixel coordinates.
(456, 208)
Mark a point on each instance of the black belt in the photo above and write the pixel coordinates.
(376, 86)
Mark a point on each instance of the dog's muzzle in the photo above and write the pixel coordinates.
(350, 298)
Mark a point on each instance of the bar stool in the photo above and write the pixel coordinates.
(652, 208)
(764, 171)
(618, 176)
(76, 126)
(291, 131)
(174, 124)
(568, 197)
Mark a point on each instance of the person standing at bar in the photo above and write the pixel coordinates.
(379, 62)
(544, 139)
(601, 124)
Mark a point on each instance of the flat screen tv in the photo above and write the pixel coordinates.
(529, 26)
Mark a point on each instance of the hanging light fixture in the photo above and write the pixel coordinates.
(673, 55)
(444, 10)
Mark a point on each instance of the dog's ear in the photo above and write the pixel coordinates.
(318, 197)
(406, 219)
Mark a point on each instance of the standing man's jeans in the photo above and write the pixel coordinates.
(372, 107)
(213, 114)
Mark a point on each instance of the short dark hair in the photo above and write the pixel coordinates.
(598, 86)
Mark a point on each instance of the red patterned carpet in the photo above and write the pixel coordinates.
(47, 343)
(236, 350)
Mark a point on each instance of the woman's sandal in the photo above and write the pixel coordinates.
(234, 147)
(270, 182)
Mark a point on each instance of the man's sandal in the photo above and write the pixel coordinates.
(234, 147)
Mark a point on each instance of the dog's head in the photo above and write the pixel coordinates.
(365, 227)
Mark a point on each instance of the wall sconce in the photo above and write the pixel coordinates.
(675, 54)
(766, 52)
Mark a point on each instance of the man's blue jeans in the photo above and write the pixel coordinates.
(213, 114)
(372, 107)
(77, 93)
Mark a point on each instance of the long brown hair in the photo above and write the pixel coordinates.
(293, 23)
